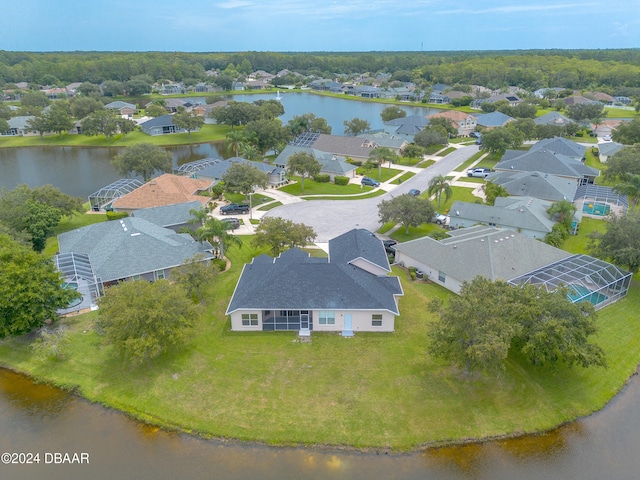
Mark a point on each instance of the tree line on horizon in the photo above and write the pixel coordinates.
(616, 71)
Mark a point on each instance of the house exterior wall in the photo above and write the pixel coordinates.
(361, 321)
(430, 272)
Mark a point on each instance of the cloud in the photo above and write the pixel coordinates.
(516, 9)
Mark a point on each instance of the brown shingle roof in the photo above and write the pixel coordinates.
(164, 190)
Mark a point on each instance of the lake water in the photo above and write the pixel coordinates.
(40, 419)
(80, 171)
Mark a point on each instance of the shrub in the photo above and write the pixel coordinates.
(220, 264)
(340, 180)
(116, 215)
(322, 178)
(357, 163)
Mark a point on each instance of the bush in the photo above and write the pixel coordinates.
(322, 178)
(220, 264)
(357, 163)
(116, 215)
(340, 180)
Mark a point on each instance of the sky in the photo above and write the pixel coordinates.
(317, 25)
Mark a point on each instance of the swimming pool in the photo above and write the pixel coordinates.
(582, 293)
(596, 208)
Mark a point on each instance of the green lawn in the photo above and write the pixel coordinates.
(404, 177)
(383, 174)
(426, 163)
(468, 163)
(311, 187)
(71, 223)
(208, 133)
(372, 390)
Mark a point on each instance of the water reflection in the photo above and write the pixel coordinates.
(40, 418)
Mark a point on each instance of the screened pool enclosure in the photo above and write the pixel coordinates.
(587, 278)
(103, 198)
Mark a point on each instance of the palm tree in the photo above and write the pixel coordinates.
(380, 155)
(235, 138)
(216, 232)
(631, 188)
(199, 215)
(249, 151)
(563, 211)
(438, 186)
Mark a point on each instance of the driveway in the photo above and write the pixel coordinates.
(330, 218)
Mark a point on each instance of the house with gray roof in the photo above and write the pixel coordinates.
(535, 184)
(19, 126)
(132, 248)
(561, 145)
(526, 215)
(350, 291)
(496, 254)
(554, 118)
(174, 216)
(330, 164)
(162, 125)
(406, 127)
(123, 108)
(493, 120)
(383, 139)
(547, 162)
(276, 175)
(607, 149)
(500, 254)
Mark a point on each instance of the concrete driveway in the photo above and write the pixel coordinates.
(330, 218)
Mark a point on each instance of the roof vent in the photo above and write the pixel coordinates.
(135, 234)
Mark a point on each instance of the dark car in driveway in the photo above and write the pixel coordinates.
(388, 245)
(370, 182)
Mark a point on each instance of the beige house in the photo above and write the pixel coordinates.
(465, 123)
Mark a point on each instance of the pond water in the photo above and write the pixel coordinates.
(40, 419)
(80, 171)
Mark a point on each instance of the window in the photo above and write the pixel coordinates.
(441, 277)
(159, 274)
(376, 320)
(327, 318)
(249, 319)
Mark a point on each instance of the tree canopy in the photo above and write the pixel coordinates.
(620, 243)
(623, 163)
(163, 316)
(477, 329)
(143, 159)
(391, 113)
(279, 234)
(305, 165)
(30, 289)
(356, 126)
(408, 210)
(244, 177)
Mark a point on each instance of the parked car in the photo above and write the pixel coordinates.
(232, 223)
(388, 245)
(474, 134)
(439, 219)
(414, 192)
(607, 138)
(478, 172)
(234, 208)
(370, 182)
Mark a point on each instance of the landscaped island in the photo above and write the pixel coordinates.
(372, 390)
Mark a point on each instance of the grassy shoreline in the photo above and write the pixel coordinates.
(370, 391)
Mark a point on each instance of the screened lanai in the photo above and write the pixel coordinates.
(103, 198)
(78, 275)
(599, 201)
(587, 278)
(191, 168)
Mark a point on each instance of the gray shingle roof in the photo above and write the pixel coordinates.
(494, 119)
(132, 246)
(491, 252)
(560, 145)
(297, 281)
(536, 184)
(514, 212)
(168, 215)
(546, 161)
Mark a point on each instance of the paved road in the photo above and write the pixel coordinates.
(330, 218)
